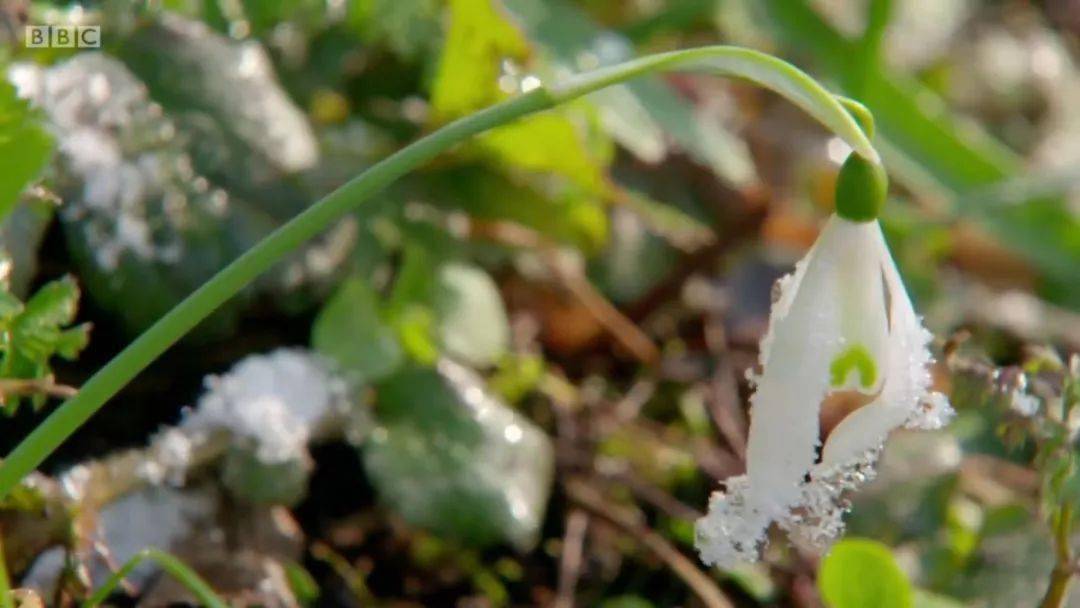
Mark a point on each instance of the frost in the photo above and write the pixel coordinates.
(1024, 404)
(733, 530)
(819, 519)
(169, 458)
(1020, 401)
(126, 181)
(275, 403)
(934, 412)
(155, 516)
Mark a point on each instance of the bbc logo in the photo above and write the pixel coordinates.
(63, 36)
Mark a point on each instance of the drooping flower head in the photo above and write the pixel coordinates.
(842, 328)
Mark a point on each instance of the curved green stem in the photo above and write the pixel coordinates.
(756, 67)
(176, 569)
(763, 70)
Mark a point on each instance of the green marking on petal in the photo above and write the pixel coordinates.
(856, 358)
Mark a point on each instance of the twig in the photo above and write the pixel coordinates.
(700, 583)
(34, 386)
(725, 408)
(625, 332)
(673, 507)
(570, 562)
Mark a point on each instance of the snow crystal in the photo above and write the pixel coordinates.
(933, 412)
(1024, 404)
(275, 402)
(169, 458)
(124, 177)
(733, 530)
(819, 518)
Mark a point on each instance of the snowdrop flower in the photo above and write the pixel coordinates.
(843, 328)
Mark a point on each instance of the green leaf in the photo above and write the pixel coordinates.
(451, 306)
(415, 327)
(9, 305)
(54, 304)
(472, 321)
(32, 334)
(860, 573)
(137, 257)
(25, 147)
(252, 479)
(547, 143)
(571, 216)
(415, 279)
(517, 375)
(21, 233)
(350, 330)
(449, 457)
(71, 342)
(209, 81)
(480, 38)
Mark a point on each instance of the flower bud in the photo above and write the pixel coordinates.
(861, 189)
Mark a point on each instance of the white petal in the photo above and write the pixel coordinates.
(907, 376)
(784, 415)
(806, 332)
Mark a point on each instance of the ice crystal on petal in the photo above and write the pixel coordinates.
(733, 531)
(933, 412)
(818, 520)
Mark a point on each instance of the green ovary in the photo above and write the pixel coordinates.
(856, 358)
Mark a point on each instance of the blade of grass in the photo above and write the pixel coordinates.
(174, 567)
